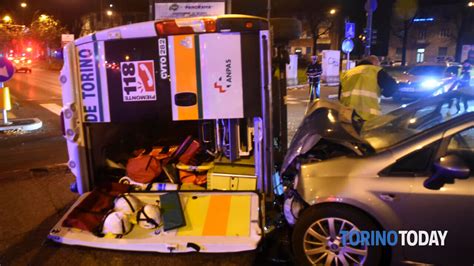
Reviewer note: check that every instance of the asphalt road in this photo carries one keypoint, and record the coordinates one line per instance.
(35, 95)
(34, 185)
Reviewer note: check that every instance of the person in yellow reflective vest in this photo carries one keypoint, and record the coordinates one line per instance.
(362, 86)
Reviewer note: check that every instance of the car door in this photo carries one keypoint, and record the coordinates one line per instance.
(450, 208)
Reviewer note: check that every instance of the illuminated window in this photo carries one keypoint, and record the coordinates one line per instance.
(420, 55)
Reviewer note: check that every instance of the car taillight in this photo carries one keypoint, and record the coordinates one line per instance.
(185, 26)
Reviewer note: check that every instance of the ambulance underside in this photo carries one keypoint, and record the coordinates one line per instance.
(139, 86)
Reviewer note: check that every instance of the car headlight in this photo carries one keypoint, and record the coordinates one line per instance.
(430, 84)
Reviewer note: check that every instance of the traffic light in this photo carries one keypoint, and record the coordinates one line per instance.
(363, 36)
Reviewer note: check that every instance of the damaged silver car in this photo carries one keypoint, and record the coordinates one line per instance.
(410, 169)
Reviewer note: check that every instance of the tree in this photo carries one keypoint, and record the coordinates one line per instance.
(464, 22)
(318, 16)
(10, 33)
(406, 11)
(47, 30)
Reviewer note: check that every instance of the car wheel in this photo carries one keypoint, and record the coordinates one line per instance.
(316, 238)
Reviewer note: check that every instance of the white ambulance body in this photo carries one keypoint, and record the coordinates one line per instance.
(155, 83)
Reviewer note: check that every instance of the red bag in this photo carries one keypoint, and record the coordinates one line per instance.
(143, 169)
(186, 151)
(190, 152)
(88, 215)
(163, 153)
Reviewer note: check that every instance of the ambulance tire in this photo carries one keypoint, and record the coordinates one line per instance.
(376, 255)
(286, 29)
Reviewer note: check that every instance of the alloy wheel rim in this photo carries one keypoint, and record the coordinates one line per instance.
(323, 243)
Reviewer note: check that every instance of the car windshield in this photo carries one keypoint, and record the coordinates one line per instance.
(427, 70)
(401, 124)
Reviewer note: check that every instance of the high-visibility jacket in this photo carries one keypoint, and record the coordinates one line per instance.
(360, 90)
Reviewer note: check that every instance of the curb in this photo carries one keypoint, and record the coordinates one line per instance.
(27, 124)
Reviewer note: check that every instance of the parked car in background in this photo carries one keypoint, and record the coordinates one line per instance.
(22, 64)
(411, 169)
(391, 63)
(424, 80)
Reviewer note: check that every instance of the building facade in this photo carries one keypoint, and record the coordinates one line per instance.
(432, 35)
(329, 39)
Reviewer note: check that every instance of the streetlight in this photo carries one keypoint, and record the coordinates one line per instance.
(23, 5)
(470, 4)
(111, 5)
(332, 11)
(7, 19)
(109, 13)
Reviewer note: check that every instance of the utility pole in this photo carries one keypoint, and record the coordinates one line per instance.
(269, 10)
(370, 7)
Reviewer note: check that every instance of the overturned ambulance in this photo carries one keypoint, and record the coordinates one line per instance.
(168, 134)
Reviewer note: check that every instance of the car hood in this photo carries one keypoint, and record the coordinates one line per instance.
(324, 120)
(407, 78)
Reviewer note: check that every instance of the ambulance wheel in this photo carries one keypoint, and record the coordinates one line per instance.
(316, 237)
(286, 29)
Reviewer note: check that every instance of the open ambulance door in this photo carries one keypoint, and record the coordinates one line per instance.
(156, 83)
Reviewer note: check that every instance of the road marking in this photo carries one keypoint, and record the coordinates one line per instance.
(52, 107)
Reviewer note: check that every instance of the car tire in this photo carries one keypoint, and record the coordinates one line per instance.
(340, 215)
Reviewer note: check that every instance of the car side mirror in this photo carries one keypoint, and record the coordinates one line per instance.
(446, 170)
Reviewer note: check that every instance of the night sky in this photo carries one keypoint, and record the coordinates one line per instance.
(69, 11)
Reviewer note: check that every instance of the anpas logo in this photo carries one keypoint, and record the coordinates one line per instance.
(218, 86)
(227, 80)
(138, 81)
(392, 238)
